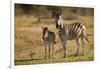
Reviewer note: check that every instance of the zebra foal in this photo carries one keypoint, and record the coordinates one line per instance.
(72, 31)
(49, 41)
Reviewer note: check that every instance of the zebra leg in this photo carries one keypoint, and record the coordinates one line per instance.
(78, 44)
(83, 42)
(49, 50)
(52, 50)
(45, 51)
(64, 48)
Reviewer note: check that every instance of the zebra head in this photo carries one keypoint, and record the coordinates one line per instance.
(58, 20)
(44, 32)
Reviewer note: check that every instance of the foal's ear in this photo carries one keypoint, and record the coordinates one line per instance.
(46, 28)
(42, 28)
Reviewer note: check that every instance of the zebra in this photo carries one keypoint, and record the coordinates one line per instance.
(49, 41)
(72, 31)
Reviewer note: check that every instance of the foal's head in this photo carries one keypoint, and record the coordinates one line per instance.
(44, 32)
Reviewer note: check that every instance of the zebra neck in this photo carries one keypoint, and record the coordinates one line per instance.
(62, 28)
(62, 31)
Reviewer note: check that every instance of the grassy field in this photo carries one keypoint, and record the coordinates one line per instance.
(29, 47)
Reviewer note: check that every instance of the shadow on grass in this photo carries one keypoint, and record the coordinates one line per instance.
(21, 60)
(27, 60)
(74, 55)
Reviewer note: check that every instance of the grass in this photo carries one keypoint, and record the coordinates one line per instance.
(29, 47)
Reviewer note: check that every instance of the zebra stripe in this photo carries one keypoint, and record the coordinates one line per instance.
(49, 40)
(72, 31)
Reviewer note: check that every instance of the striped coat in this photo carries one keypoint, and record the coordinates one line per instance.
(72, 31)
(49, 41)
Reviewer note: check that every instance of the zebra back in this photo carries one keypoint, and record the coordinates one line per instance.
(72, 31)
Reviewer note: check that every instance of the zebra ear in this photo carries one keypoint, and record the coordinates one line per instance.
(46, 28)
(56, 12)
(42, 27)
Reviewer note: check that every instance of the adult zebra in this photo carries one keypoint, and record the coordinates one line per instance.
(72, 31)
(49, 40)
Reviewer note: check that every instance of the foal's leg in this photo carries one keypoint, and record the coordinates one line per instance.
(45, 50)
(52, 49)
(49, 50)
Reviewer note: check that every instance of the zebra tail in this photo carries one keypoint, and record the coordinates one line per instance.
(86, 39)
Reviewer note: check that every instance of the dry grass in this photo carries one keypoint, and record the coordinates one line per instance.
(29, 47)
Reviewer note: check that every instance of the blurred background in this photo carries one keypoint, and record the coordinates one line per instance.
(41, 11)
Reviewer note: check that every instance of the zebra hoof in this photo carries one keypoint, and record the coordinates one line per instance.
(49, 57)
(82, 54)
(45, 58)
(76, 55)
(64, 56)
